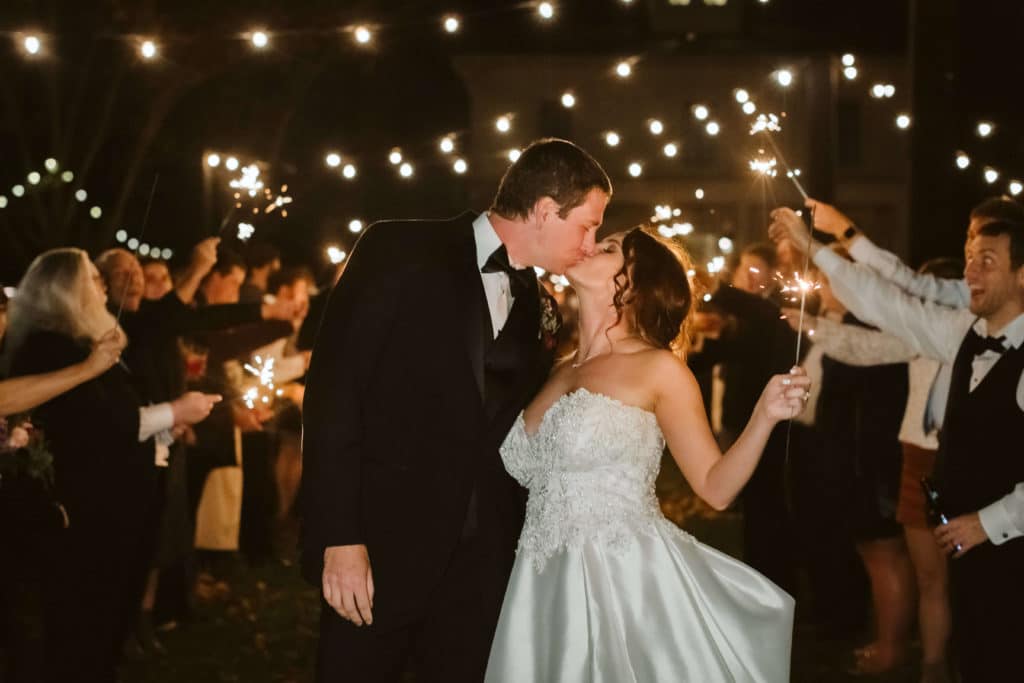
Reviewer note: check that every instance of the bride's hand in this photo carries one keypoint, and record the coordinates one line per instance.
(785, 397)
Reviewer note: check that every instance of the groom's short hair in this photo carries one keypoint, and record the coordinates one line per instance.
(549, 168)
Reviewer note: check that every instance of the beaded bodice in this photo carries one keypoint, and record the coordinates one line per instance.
(590, 469)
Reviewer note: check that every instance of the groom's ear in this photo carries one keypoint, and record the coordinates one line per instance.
(544, 209)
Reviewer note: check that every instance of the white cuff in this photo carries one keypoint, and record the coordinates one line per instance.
(827, 260)
(153, 419)
(996, 521)
(861, 248)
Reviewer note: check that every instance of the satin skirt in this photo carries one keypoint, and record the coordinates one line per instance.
(665, 608)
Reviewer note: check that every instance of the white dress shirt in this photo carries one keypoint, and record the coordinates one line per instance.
(934, 331)
(953, 293)
(156, 421)
(496, 285)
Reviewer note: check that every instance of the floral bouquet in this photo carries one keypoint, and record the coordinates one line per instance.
(27, 500)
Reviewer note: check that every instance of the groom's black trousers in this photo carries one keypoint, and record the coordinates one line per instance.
(448, 643)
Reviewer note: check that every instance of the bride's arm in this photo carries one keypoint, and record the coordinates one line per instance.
(716, 477)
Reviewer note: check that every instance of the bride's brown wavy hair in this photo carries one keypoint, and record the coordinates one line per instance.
(653, 289)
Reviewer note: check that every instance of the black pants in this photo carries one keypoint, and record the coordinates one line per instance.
(449, 643)
(988, 600)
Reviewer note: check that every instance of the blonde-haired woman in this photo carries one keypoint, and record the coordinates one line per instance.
(100, 434)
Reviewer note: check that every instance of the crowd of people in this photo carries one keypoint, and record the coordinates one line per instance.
(159, 393)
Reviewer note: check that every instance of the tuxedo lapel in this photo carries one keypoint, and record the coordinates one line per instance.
(472, 302)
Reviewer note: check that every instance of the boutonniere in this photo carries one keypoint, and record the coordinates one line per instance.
(550, 320)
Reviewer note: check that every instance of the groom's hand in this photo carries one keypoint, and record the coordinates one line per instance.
(348, 582)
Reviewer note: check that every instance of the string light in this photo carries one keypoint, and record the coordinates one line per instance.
(698, 193)
(133, 244)
(513, 155)
(3, 201)
(636, 169)
(32, 44)
(363, 35)
(447, 145)
(335, 255)
(395, 157)
(962, 160)
(166, 254)
(624, 69)
(546, 10)
(81, 195)
(451, 23)
(349, 171)
(903, 121)
(144, 249)
(231, 164)
(51, 165)
(849, 59)
(670, 150)
(96, 212)
(991, 175)
(120, 235)
(1015, 187)
(460, 166)
(213, 160)
(725, 244)
(611, 138)
(784, 77)
(147, 49)
(333, 160)
(405, 170)
(850, 73)
(985, 129)
(355, 225)
(655, 126)
(741, 95)
(712, 128)
(503, 124)
(259, 39)
(749, 108)
(67, 176)
(700, 112)
(890, 90)
(34, 178)
(568, 100)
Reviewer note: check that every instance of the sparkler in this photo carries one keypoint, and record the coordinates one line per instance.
(265, 392)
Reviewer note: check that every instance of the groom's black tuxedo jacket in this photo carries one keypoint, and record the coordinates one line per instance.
(407, 400)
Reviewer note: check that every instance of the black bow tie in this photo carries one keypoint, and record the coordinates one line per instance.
(520, 279)
(980, 345)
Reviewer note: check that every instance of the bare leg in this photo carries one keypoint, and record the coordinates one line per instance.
(892, 592)
(934, 617)
(288, 473)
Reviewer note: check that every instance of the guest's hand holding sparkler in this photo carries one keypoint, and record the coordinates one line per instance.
(105, 352)
(786, 226)
(828, 218)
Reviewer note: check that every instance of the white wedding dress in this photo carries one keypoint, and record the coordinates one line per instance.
(604, 588)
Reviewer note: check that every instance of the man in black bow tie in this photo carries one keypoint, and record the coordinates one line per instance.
(431, 344)
(981, 468)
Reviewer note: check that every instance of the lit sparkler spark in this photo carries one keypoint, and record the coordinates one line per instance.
(249, 181)
(263, 370)
(279, 201)
(764, 166)
(245, 231)
(765, 122)
(797, 287)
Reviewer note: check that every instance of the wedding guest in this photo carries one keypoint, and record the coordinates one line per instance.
(978, 477)
(100, 435)
(157, 278)
(262, 260)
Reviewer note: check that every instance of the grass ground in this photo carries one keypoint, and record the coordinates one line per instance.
(258, 624)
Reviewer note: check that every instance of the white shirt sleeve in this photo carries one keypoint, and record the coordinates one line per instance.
(855, 345)
(929, 329)
(153, 419)
(1003, 520)
(954, 293)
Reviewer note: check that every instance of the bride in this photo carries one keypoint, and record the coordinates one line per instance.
(604, 588)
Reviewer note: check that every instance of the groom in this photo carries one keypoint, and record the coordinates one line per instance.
(433, 340)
